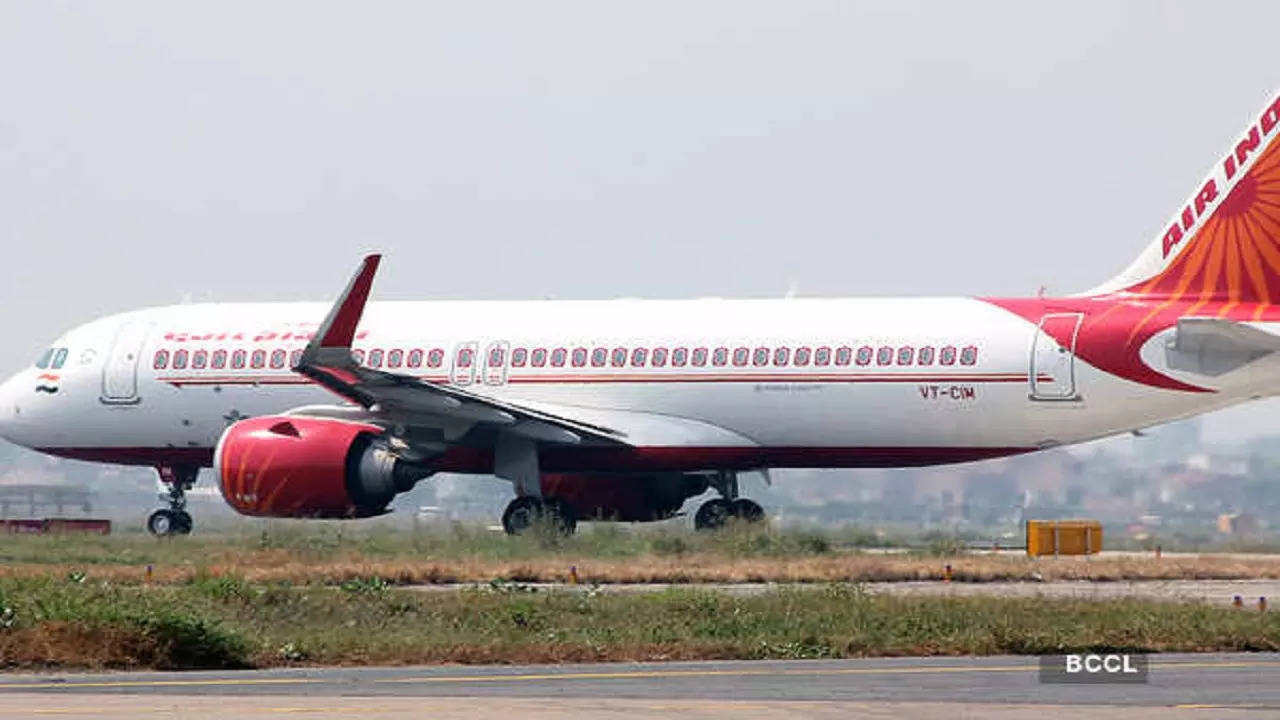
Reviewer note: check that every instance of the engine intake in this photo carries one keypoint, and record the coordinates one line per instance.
(281, 466)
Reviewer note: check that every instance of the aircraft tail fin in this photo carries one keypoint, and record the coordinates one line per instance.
(1223, 244)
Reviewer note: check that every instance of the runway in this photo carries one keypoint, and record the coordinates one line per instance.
(1216, 685)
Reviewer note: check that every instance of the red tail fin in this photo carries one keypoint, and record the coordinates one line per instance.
(1223, 245)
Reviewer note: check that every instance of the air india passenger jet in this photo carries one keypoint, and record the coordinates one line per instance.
(623, 409)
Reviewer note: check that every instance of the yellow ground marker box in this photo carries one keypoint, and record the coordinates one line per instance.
(1063, 537)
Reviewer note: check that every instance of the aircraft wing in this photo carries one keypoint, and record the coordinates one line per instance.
(1215, 346)
(404, 399)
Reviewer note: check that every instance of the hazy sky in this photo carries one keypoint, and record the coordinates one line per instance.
(235, 150)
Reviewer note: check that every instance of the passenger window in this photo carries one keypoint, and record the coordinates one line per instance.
(969, 355)
(375, 358)
(395, 358)
(844, 355)
(720, 357)
(466, 356)
(180, 360)
(659, 357)
(619, 357)
(219, 359)
(160, 362)
(538, 357)
(822, 356)
(925, 356)
(258, 359)
(741, 356)
(638, 357)
(277, 358)
(519, 357)
(59, 358)
(802, 356)
(237, 359)
(47, 355)
(947, 356)
(679, 357)
(559, 355)
(864, 355)
(598, 356)
(884, 356)
(579, 357)
(761, 357)
(199, 359)
(497, 356)
(415, 358)
(435, 358)
(295, 358)
(357, 356)
(700, 356)
(781, 356)
(906, 354)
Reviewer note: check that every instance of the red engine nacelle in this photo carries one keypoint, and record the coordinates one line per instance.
(279, 466)
(624, 497)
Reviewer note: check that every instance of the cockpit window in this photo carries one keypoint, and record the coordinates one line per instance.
(59, 358)
(45, 357)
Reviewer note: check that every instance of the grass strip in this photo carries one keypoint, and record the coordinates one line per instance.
(221, 622)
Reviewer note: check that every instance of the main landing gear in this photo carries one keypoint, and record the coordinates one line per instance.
(524, 512)
(173, 520)
(716, 512)
(515, 458)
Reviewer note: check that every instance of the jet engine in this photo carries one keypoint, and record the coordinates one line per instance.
(284, 466)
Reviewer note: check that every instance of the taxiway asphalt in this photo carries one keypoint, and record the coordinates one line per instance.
(1211, 685)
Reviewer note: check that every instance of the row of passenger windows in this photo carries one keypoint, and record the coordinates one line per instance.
(739, 357)
(279, 358)
(802, 356)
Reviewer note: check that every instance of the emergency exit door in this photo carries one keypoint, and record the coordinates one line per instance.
(1053, 357)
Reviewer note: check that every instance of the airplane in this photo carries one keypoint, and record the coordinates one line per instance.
(624, 409)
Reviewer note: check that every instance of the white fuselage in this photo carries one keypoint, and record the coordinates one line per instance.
(823, 382)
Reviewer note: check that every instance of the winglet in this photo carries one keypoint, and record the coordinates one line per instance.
(339, 328)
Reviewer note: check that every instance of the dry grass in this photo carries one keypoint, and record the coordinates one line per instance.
(303, 554)
(268, 567)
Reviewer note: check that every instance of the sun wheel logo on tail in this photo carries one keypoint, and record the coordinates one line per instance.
(309, 467)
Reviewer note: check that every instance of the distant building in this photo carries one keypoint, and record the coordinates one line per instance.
(1238, 524)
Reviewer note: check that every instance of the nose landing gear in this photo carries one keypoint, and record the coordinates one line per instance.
(716, 512)
(173, 520)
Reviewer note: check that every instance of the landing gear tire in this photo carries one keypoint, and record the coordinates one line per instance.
(560, 515)
(162, 523)
(523, 513)
(747, 510)
(173, 520)
(713, 514)
(716, 513)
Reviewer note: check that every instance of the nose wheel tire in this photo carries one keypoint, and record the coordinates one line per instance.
(716, 513)
(165, 522)
(524, 513)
